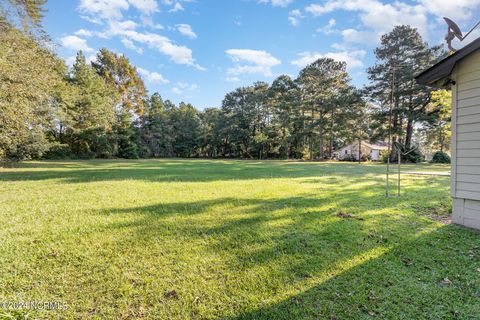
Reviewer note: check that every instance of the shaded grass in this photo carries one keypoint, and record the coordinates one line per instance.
(194, 239)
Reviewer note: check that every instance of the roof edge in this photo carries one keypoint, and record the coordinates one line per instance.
(444, 68)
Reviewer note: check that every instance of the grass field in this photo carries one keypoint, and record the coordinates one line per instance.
(193, 239)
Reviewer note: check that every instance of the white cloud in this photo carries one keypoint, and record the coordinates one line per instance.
(277, 3)
(75, 43)
(254, 56)
(84, 33)
(112, 9)
(460, 10)
(378, 17)
(148, 21)
(375, 14)
(177, 7)
(181, 87)
(328, 29)
(153, 77)
(145, 6)
(232, 79)
(71, 60)
(362, 37)
(178, 54)
(117, 28)
(177, 91)
(104, 9)
(354, 59)
(294, 17)
(110, 12)
(130, 45)
(186, 30)
(124, 25)
(260, 62)
(187, 86)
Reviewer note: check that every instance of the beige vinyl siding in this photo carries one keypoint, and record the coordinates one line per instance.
(468, 85)
(473, 118)
(466, 144)
(469, 178)
(472, 144)
(467, 186)
(467, 111)
(467, 127)
(461, 162)
(466, 212)
(471, 170)
(468, 136)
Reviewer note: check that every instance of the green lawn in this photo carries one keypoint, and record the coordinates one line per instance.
(193, 239)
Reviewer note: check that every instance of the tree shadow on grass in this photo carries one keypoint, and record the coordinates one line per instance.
(407, 282)
(298, 242)
(181, 170)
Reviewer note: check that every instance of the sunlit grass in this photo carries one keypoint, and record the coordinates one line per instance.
(194, 239)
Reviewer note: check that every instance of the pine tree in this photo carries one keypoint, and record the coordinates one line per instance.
(92, 113)
(120, 74)
(284, 94)
(319, 82)
(401, 54)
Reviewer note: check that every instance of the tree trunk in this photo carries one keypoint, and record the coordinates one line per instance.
(311, 148)
(60, 131)
(359, 151)
(408, 137)
(330, 147)
(441, 140)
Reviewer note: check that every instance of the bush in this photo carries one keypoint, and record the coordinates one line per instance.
(384, 156)
(348, 157)
(413, 156)
(58, 152)
(129, 152)
(441, 157)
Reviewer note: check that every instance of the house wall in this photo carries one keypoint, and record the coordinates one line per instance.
(353, 151)
(465, 181)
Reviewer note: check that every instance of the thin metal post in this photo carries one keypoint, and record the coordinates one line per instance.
(399, 167)
(388, 169)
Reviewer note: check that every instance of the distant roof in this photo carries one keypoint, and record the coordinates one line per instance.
(380, 145)
(445, 67)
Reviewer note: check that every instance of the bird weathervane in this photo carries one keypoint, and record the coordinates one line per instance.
(455, 32)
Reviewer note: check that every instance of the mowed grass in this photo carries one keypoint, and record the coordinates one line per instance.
(194, 239)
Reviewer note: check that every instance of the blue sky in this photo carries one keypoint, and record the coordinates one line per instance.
(198, 50)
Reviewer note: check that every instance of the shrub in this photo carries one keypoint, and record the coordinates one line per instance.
(58, 151)
(412, 157)
(384, 155)
(129, 152)
(441, 157)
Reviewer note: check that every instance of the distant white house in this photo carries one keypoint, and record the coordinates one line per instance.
(368, 150)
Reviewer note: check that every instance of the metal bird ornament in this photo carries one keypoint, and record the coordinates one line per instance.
(455, 32)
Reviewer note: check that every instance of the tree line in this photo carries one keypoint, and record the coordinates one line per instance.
(102, 109)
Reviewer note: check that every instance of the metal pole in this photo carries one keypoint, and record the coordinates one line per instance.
(478, 23)
(399, 167)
